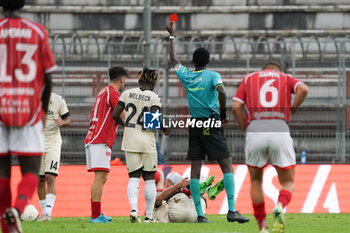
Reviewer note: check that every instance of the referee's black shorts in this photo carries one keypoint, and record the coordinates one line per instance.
(207, 141)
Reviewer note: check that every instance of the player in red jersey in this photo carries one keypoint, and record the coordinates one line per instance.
(266, 94)
(26, 62)
(100, 138)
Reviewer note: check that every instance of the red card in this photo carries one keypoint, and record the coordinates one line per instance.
(173, 18)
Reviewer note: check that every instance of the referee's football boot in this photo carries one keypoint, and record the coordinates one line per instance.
(204, 185)
(202, 219)
(236, 217)
(134, 217)
(216, 189)
(278, 226)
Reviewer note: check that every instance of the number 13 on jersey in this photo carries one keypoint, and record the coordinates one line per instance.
(29, 50)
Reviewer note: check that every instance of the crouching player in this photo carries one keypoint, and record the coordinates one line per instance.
(174, 203)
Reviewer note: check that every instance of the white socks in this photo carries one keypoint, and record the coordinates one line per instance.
(43, 205)
(150, 196)
(50, 202)
(133, 192)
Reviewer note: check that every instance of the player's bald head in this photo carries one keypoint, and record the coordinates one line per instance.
(12, 5)
(272, 65)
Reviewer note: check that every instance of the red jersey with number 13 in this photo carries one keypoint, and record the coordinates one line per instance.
(267, 95)
(102, 127)
(25, 56)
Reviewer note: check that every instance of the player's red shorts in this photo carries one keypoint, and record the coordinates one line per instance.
(22, 141)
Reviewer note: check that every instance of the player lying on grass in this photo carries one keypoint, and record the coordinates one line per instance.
(140, 144)
(175, 204)
(204, 91)
(266, 94)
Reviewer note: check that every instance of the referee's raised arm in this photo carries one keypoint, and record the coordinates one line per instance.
(174, 61)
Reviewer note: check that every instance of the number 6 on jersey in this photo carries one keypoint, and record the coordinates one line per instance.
(268, 88)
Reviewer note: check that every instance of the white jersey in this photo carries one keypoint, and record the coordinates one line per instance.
(179, 208)
(135, 138)
(57, 109)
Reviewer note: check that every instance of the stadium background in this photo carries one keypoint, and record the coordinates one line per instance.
(311, 41)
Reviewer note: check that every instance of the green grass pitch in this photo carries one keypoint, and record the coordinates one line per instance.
(295, 223)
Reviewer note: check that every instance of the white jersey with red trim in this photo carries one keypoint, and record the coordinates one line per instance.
(267, 95)
(102, 127)
(25, 56)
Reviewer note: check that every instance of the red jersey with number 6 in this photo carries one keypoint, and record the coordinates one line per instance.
(25, 56)
(267, 95)
(102, 127)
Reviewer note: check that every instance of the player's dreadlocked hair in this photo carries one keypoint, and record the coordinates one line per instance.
(148, 76)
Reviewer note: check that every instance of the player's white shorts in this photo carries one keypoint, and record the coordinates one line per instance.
(50, 162)
(161, 213)
(136, 160)
(22, 141)
(98, 157)
(269, 140)
(181, 208)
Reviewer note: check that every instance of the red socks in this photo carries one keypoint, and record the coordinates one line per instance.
(260, 214)
(95, 209)
(5, 200)
(284, 197)
(259, 211)
(25, 190)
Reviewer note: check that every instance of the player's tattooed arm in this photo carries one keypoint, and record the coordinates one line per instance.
(174, 61)
(222, 101)
(300, 95)
(45, 98)
(237, 110)
(117, 113)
